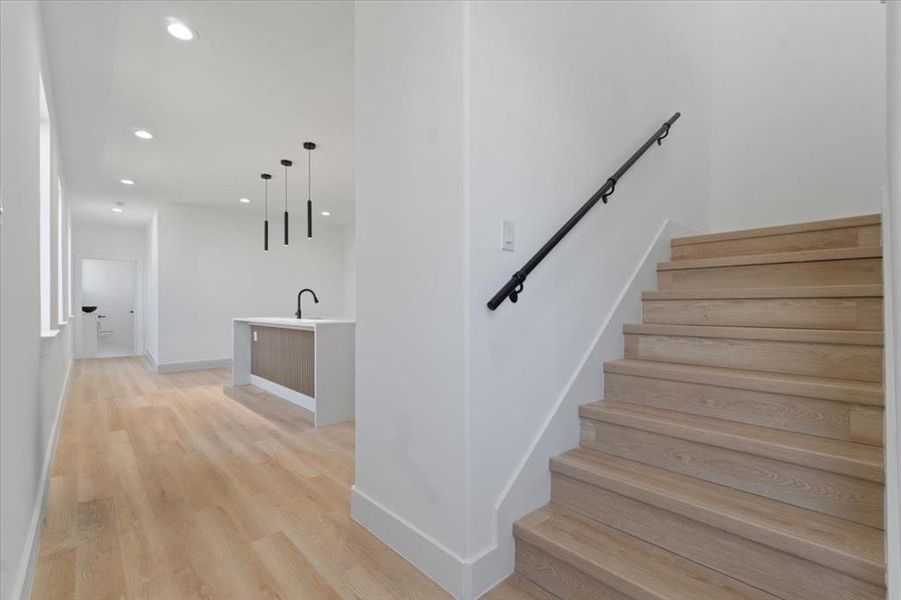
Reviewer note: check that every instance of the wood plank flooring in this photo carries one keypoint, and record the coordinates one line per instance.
(170, 486)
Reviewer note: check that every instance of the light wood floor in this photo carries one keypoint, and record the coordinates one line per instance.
(169, 486)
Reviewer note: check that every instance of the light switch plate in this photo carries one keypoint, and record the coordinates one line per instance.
(507, 236)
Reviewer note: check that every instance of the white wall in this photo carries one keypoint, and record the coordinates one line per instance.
(410, 235)
(212, 268)
(799, 111)
(109, 241)
(33, 371)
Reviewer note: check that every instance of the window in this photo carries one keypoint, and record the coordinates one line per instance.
(69, 263)
(55, 229)
(44, 173)
(60, 270)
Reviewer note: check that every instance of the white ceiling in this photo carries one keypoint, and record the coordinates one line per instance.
(259, 80)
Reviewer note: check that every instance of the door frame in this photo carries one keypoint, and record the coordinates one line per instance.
(139, 293)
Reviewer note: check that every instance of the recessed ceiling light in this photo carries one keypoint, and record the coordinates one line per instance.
(127, 181)
(244, 200)
(143, 134)
(180, 31)
(325, 213)
(117, 209)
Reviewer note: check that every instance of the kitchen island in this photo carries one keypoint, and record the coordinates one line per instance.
(309, 362)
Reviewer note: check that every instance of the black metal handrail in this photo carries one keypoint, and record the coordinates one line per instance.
(514, 287)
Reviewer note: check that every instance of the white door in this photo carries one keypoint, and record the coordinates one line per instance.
(110, 286)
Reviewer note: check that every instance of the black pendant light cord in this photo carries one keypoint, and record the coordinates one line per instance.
(286, 163)
(266, 177)
(310, 146)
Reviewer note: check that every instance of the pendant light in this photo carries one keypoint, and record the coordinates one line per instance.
(310, 146)
(286, 163)
(266, 177)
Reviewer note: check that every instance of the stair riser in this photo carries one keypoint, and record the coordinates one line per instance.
(865, 465)
(847, 237)
(779, 573)
(828, 272)
(837, 420)
(807, 313)
(558, 577)
(827, 389)
(838, 361)
(838, 495)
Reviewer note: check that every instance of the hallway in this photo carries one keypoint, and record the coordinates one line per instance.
(177, 486)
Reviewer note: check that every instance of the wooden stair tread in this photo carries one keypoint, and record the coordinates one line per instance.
(625, 563)
(840, 390)
(516, 587)
(860, 221)
(812, 336)
(846, 458)
(822, 291)
(854, 549)
(774, 258)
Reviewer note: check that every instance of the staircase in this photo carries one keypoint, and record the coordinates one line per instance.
(738, 450)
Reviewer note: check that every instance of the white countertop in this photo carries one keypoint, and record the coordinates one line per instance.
(291, 322)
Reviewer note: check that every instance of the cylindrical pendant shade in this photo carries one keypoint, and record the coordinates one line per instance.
(286, 163)
(265, 177)
(309, 147)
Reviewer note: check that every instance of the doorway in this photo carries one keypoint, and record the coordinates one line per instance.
(110, 286)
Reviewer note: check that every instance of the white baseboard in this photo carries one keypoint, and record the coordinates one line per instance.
(152, 360)
(529, 486)
(25, 574)
(192, 365)
(442, 565)
(285, 393)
